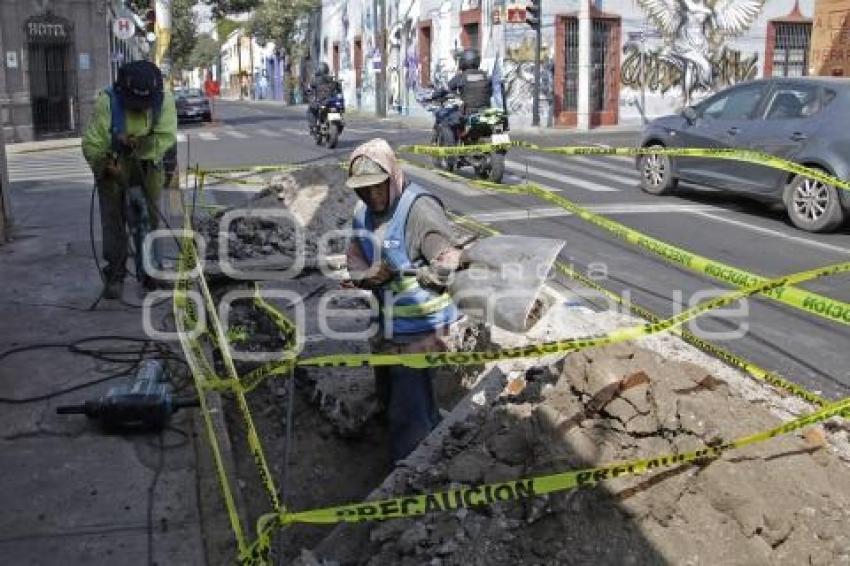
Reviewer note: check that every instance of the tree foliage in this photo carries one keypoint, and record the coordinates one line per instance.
(277, 20)
(222, 8)
(225, 27)
(206, 52)
(183, 34)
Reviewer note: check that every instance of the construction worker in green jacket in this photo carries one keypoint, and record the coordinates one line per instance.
(133, 126)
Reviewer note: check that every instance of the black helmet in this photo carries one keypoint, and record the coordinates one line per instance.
(469, 59)
(323, 70)
(139, 84)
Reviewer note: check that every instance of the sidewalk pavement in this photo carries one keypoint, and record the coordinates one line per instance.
(71, 494)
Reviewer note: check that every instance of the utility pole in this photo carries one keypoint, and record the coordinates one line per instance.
(5, 211)
(381, 80)
(534, 18)
(239, 64)
(162, 9)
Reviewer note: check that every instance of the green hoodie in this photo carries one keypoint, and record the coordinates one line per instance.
(97, 140)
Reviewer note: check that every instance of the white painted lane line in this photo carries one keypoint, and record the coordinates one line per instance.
(775, 233)
(250, 189)
(181, 137)
(519, 168)
(293, 131)
(602, 163)
(237, 134)
(607, 209)
(590, 169)
(208, 136)
(269, 133)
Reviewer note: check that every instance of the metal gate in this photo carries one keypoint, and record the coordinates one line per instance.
(51, 74)
(571, 64)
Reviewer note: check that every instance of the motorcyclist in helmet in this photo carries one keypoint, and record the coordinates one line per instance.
(471, 84)
(322, 87)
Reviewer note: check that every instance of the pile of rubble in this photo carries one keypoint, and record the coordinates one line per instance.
(315, 196)
(785, 501)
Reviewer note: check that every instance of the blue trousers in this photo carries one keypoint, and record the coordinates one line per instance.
(412, 410)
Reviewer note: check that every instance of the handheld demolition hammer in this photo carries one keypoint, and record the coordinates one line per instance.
(145, 404)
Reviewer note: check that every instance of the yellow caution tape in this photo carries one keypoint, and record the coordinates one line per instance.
(437, 359)
(730, 358)
(488, 494)
(205, 380)
(807, 301)
(196, 360)
(745, 155)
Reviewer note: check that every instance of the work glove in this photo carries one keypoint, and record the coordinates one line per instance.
(434, 277)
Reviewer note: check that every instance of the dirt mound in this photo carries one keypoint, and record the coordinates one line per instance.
(316, 196)
(786, 501)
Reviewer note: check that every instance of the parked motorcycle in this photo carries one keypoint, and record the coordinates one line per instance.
(330, 122)
(454, 127)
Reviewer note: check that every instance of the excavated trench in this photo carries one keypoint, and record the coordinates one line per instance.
(786, 501)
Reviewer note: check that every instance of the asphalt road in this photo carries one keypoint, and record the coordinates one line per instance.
(809, 350)
(718, 225)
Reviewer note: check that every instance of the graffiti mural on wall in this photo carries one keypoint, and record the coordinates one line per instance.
(518, 77)
(693, 55)
(655, 72)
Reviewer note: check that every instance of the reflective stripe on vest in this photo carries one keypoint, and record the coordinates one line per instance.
(414, 309)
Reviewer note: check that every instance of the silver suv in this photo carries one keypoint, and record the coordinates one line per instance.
(805, 119)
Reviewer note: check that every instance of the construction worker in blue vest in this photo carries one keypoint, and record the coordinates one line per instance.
(133, 126)
(397, 227)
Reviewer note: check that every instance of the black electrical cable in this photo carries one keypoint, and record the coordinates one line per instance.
(109, 356)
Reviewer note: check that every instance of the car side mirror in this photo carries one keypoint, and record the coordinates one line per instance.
(690, 114)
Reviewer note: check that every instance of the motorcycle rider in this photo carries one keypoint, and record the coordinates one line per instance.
(322, 87)
(472, 85)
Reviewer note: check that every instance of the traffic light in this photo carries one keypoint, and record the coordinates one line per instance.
(533, 13)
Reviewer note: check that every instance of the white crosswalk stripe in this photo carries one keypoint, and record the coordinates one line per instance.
(208, 136)
(582, 168)
(269, 133)
(181, 137)
(236, 134)
(572, 181)
(58, 165)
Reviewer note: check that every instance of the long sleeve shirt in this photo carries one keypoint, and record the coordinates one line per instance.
(153, 142)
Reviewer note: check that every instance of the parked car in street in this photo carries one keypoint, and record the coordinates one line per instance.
(804, 119)
(192, 104)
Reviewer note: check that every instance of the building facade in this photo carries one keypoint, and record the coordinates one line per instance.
(57, 55)
(605, 62)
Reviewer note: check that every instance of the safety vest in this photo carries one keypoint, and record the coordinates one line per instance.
(118, 120)
(414, 309)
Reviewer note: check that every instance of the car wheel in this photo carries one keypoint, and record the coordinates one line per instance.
(813, 205)
(207, 117)
(656, 173)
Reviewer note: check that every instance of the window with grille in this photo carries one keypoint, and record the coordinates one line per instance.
(791, 50)
(602, 30)
(571, 62)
